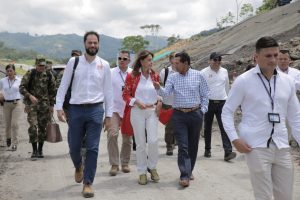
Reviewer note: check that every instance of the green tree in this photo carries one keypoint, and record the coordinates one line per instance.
(227, 20)
(173, 39)
(134, 43)
(246, 10)
(267, 5)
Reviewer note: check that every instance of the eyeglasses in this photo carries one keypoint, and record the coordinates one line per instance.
(120, 58)
(217, 59)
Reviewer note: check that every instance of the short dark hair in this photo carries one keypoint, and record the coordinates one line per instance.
(90, 33)
(285, 51)
(184, 57)
(10, 66)
(265, 42)
(125, 51)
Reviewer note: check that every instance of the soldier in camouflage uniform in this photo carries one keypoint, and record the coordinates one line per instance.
(39, 90)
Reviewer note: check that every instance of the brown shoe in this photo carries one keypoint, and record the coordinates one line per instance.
(79, 174)
(114, 170)
(125, 169)
(87, 191)
(184, 182)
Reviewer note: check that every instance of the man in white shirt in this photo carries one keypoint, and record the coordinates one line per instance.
(91, 87)
(118, 77)
(284, 61)
(267, 98)
(218, 83)
(167, 104)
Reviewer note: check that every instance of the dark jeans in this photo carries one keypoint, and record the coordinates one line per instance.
(187, 128)
(85, 122)
(215, 109)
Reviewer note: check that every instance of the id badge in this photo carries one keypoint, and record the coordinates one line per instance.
(274, 117)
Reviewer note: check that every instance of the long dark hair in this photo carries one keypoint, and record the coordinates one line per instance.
(137, 63)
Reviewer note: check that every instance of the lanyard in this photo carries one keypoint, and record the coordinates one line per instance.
(269, 91)
(10, 83)
(120, 72)
(272, 103)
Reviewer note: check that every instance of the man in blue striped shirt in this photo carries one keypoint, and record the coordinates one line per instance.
(191, 92)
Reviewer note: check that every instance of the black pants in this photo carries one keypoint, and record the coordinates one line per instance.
(215, 108)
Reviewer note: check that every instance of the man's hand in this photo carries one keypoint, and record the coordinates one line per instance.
(33, 100)
(61, 115)
(51, 109)
(241, 146)
(156, 85)
(107, 124)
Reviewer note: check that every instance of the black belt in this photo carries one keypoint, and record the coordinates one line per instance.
(11, 101)
(186, 110)
(217, 101)
(87, 105)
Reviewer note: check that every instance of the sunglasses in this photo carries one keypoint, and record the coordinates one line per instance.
(120, 58)
(217, 59)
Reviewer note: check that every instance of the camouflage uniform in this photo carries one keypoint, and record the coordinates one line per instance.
(43, 87)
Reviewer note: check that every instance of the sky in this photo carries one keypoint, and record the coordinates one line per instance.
(115, 18)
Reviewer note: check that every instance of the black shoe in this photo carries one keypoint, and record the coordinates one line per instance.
(40, 154)
(207, 153)
(8, 142)
(169, 151)
(229, 156)
(34, 154)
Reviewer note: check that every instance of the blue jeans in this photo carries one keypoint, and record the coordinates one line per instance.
(187, 128)
(85, 121)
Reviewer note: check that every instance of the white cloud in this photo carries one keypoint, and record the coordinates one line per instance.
(118, 18)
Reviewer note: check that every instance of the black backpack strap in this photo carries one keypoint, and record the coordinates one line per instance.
(74, 68)
(166, 75)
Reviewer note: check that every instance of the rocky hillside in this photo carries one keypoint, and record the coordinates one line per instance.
(283, 23)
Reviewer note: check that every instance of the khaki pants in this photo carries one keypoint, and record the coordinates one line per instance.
(12, 112)
(112, 143)
(271, 172)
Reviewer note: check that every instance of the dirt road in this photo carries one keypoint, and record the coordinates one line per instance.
(52, 177)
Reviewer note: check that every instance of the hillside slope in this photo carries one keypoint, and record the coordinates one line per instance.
(283, 23)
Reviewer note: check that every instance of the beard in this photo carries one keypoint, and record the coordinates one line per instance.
(91, 52)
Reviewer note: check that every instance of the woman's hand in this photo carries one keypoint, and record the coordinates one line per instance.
(140, 105)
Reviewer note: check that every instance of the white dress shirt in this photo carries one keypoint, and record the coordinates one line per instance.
(118, 78)
(168, 100)
(145, 92)
(10, 88)
(295, 74)
(91, 84)
(218, 82)
(255, 129)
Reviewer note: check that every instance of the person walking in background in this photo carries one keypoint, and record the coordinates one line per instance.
(118, 77)
(266, 103)
(167, 103)
(140, 94)
(218, 83)
(9, 90)
(191, 92)
(38, 88)
(91, 88)
(284, 61)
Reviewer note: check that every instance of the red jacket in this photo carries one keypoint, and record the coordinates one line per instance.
(131, 84)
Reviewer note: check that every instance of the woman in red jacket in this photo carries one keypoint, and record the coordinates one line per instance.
(142, 109)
